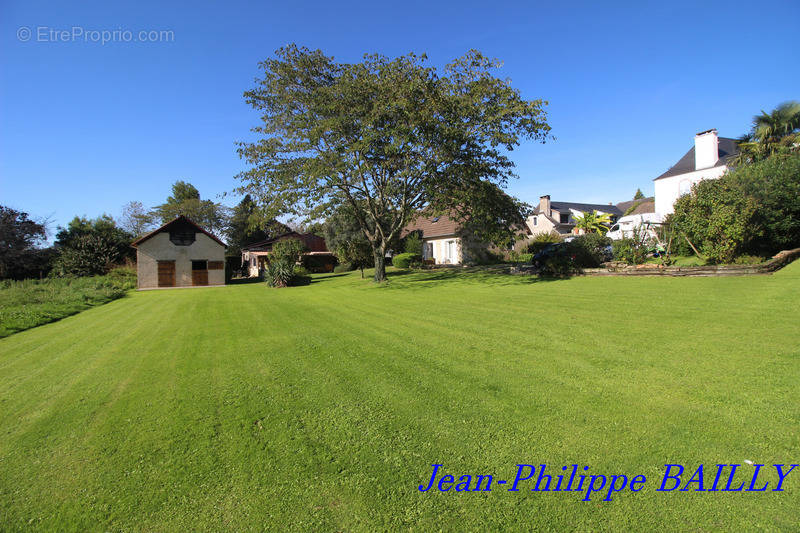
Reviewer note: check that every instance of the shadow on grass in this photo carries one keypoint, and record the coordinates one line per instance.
(326, 277)
(244, 281)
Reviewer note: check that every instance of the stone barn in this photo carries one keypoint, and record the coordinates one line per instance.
(179, 254)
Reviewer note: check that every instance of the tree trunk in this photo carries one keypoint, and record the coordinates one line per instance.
(380, 263)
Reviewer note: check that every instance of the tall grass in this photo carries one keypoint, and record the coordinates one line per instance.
(30, 303)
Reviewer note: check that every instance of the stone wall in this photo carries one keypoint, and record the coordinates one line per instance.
(778, 261)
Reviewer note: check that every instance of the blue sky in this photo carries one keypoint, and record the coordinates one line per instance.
(86, 127)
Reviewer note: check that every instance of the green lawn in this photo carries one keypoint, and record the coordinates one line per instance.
(322, 407)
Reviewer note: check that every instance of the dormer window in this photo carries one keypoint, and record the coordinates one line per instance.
(563, 218)
(182, 238)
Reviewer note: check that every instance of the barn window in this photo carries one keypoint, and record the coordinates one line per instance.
(181, 238)
(200, 265)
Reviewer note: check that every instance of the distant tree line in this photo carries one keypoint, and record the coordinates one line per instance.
(88, 247)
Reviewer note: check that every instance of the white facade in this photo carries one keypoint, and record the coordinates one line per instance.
(443, 250)
(706, 167)
(184, 260)
(670, 189)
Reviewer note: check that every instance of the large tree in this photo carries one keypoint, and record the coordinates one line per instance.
(88, 247)
(388, 137)
(343, 236)
(244, 228)
(20, 238)
(185, 200)
(135, 219)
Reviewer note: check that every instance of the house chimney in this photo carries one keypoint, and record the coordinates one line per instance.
(706, 149)
(544, 205)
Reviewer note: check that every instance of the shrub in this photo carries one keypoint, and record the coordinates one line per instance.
(558, 264)
(541, 240)
(279, 273)
(629, 251)
(589, 250)
(755, 209)
(90, 247)
(517, 257)
(288, 250)
(319, 263)
(404, 260)
(301, 276)
(775, 185)
(718, 218)
(748, 260)
(487, 257)
(414, 244)
(343, 267)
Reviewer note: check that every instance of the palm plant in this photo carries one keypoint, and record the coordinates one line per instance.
(593, 222)
(782, 121)
(771, 132)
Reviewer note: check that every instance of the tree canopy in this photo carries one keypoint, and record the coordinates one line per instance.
(185, 200)
(771, 133)
(244, 228)
(755, 209)
(20, 238)
(389, 138)
(90, 247)
(343, 236)
(135, 219)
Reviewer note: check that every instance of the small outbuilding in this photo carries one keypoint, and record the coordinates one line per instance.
(179, 254)
(317, 257)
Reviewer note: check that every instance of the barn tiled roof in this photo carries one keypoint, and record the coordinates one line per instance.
(433, 226)
(175, 223)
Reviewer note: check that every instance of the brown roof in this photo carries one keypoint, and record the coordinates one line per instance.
(177, 222)
(627, 204)
(433, 226)
(644, 207)
(314, 243)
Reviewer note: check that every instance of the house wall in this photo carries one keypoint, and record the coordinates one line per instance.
(159, 248)
(670, 189)
(252, 262)
(440, 252)
(543, 224)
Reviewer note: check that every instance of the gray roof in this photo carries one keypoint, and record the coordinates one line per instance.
(728, 148)
(564, 207)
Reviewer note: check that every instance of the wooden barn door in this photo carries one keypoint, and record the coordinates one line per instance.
(200, 272)
(166, 273)
(199, 277)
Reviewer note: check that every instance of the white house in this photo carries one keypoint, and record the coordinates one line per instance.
(707, 160)
(441, 239)
(554, 216)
